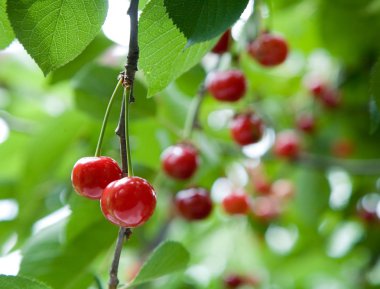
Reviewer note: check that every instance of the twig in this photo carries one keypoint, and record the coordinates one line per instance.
(356, 167)
(127, 77)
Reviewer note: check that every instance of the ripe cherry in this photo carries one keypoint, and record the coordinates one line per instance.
(233, 281)
(316, 87)
(266, 208)
(247, 128)
(306, 123)
(223, 44)
(330, 98)
(128, 202)
(367, 207)
(287, 144)
(229, 86)
(268, 49)
(180, 161)
(236, 203)
(193, 204)
(91, 175)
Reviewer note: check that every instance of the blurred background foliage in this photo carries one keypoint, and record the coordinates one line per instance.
(327, 235)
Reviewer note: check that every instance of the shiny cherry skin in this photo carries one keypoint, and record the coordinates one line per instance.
(223, 44)
(91, 175)
(180, 161)
(236, 204)
(247, 129)
(306, 123)
(268, 49)
(287, 144)
(193, 204)
(228, 86)
(233, 281)
(128, 202)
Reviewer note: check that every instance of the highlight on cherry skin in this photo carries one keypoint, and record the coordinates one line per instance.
(90, 175)
(128, 202)
(193, 204)
(228, 86)
(180, 161)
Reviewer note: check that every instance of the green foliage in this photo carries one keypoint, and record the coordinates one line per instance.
(6, 32)
(18, 282)
(374, 109)
(163, 56)
(55, 34)
(167, 258)
(193, 17)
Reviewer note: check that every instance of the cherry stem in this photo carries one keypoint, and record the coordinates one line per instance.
(192, 119)
(105, 120)
(127, 102)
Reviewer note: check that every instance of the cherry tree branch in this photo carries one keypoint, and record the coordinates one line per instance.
(127, 77)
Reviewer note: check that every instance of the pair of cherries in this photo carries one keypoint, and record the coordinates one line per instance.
(125, 201)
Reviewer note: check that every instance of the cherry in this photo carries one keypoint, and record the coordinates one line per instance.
(287, 144)
(330, 98)
(261, 185)
(233, 281)
(180, 161)
(306, 123)
(268, 49)
(91, 175)
(266, 208)
(223, 44)
(236, 203)
(128, 202)
(246, 128)
(193, 204)
(316, 87)
(367, 207)
(229, 86)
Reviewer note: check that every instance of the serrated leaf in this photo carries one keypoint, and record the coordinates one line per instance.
(163, 56)
(54, 32)
(167, 258)
(17, 282)
(93, 50)
(202, 20)
(374, 110)
(6, 32)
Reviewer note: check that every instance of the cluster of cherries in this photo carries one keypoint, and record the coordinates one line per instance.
(125, 201)
(180, 161)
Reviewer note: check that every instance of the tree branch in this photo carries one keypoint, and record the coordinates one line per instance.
(128, 77)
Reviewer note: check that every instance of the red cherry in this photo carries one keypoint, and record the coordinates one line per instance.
(128, 202)
(287, 144)
(261, 185)
(316, 87)
(266, 208)
(330, 98)
(233, 281)
(223, 44)
(269, 49)
(193, 204)
(180, 161)
(367, 207)
(236, 203)
(91, 175)
(227, 86)
(247, 129)
(306, 123)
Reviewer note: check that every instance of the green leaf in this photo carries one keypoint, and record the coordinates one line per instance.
(93, 50)
(162, 54)
(54, 32)
(374, 110)
(202, 20)
(6, 32)
(17, 282)
(167, 258)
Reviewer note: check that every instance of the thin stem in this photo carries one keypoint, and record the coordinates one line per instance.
(128, 96)
(120, 131)
(192, 119)
(105, 120)
(123, 233)
(356, 167)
